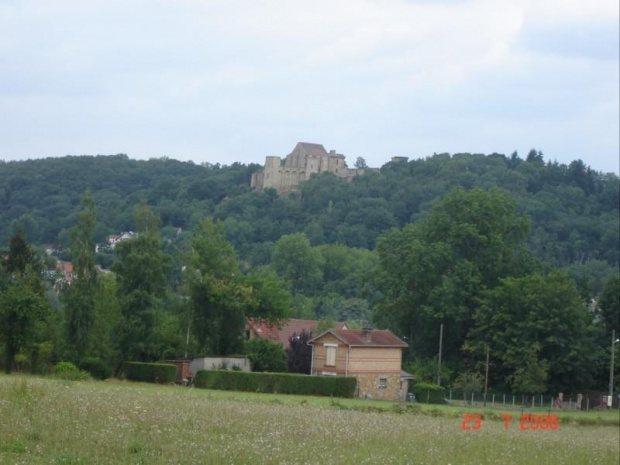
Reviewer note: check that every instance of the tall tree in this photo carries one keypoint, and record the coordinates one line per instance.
(215, 290)
(23, 308)
(534, 325)
(20, 254)
(79, 295)
(141, 283)
(22, 316)
(435, 271)
(298, 263)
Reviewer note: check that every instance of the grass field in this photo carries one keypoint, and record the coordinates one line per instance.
(43, 421)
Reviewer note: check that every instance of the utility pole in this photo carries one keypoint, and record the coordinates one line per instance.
(486, 378)
(439, 361)
(610, 399)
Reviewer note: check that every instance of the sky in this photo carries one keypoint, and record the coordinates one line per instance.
(223, 81)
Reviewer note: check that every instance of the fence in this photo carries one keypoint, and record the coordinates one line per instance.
(585, 402)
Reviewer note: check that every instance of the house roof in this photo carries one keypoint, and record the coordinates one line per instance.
(282, 333)
(357, 338)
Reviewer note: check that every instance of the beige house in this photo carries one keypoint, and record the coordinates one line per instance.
(373, 357)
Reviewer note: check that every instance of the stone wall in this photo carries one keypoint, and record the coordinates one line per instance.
(370, 385)
(297, 167)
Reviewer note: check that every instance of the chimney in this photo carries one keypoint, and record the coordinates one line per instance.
(367, 332)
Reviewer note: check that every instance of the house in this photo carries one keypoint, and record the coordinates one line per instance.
(112, 240)
(65, 270)
(281, 333)
(373, 357)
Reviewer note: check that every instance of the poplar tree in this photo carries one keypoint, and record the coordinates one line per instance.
(141, 283)
(79, 294)
(23, 307)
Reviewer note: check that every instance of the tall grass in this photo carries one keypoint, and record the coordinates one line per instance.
(44, 421)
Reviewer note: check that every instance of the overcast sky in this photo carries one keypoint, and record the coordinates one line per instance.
(236, 80)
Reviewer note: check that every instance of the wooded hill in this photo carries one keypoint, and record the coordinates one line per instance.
(573, 209)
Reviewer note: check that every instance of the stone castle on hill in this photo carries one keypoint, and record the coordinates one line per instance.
(305, 160)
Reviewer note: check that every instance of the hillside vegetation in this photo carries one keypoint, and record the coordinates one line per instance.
(506, 253)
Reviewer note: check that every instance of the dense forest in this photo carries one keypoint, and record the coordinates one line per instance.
(505, 252)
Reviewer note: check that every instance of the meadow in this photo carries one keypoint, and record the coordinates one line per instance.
(47, 421)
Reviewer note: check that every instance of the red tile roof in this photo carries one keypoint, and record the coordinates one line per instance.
(378, 338)
(282, 334)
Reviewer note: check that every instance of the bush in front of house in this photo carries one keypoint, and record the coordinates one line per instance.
(68, 371)
(282, 383)
(150, 372)
(96, 367)
(429, 393)
(266, 355)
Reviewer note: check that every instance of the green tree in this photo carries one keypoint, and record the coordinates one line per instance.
(298, 263)
(266, 355)
(216, 292)
(22, 315)
(107, 317)
(269, 298)
(20, 254)
(79, 295)
(534, 325)
(141, 283)
(531, 375)
(23, 308)
(360, 163)
(468, 382)
(435, 271)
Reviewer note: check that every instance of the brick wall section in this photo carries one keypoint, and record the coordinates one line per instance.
(375, 360)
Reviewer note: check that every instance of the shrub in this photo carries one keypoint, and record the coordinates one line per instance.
(150, 372)
(68, 371)
(284, 383)
(429, 393)
(266, 355)
(96, 368)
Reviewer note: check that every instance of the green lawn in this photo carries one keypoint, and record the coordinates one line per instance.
(43, 421)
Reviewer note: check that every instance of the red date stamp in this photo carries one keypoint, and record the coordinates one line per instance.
(529, 421)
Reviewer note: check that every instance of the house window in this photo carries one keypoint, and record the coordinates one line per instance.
(330, 355)
(382, 383)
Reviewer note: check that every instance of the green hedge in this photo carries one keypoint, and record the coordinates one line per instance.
(429, 393)
(96, 367)
(150, 372)
(283, 383)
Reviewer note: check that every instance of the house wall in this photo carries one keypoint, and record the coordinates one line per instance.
(370, 364)
(375, 360)
(214, 363)
(320, 354)
(369, 385)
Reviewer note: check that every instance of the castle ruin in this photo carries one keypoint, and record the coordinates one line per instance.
(305, 160)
